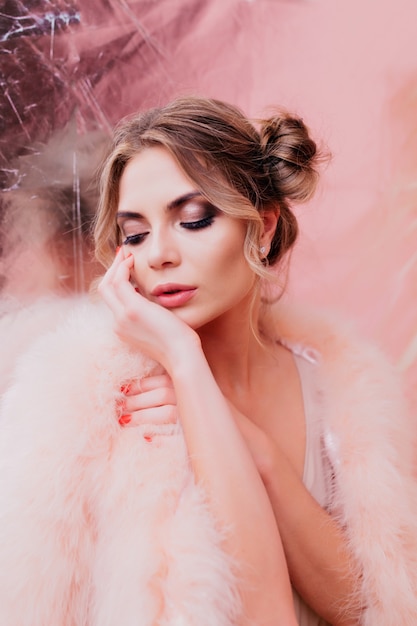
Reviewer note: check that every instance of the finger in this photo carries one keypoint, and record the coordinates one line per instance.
(106, 285)
(146, 384)
(125, 291)
(123, 269)
(153, 382)
(118, 273)
(110, 287)
(109, 275)
(149, 399)
(156, 416)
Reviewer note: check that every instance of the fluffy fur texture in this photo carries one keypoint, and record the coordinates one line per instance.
(370, 439)
(98, 527)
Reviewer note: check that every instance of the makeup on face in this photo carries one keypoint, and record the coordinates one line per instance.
(188, 254)
(190, 211)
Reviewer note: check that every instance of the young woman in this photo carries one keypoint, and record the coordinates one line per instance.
(297, 450)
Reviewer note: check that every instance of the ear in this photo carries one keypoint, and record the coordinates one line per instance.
(270, 218)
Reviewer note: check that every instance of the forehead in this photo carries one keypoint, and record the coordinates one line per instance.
(152, 179)
(151, 170)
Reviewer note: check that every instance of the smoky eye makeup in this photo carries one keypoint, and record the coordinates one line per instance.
(133, 239)
(131, 231)
(190, 213)
(197, 214)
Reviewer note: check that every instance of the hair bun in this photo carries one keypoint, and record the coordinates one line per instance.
(290, 156)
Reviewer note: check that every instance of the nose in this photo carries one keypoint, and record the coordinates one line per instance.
(163, 249)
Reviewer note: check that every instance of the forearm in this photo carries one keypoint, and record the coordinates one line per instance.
(320, 564)
(222, 463)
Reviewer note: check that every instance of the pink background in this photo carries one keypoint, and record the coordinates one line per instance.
(348, 68)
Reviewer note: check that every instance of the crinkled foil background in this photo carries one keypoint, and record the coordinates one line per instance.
(69, 69)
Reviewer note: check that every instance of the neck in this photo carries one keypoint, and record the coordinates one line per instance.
(231, 348)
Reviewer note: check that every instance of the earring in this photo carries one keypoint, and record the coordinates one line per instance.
(262, 249)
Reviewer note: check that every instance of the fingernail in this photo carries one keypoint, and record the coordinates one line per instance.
(125, 419)
(117, 249)
(125, 388)
(147, 438)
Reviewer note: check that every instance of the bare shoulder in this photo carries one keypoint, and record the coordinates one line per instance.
(349, 366)
(334, 338)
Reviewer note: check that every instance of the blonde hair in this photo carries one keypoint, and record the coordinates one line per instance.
(241, 170)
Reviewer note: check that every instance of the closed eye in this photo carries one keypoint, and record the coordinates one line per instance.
(197, 224)
(133, 240)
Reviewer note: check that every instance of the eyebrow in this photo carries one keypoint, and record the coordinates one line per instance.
(174, 204)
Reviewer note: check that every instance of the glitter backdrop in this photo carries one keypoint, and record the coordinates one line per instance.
(70, 69)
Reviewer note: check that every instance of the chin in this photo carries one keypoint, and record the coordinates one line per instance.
(192, 320)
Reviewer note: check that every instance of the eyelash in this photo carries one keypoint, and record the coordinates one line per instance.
(203, 223)
(133, 240)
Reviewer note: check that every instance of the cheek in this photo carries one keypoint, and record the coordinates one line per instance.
(227, 248)
(232, 260)
(232, 271)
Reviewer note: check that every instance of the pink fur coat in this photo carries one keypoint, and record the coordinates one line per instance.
(100, 527)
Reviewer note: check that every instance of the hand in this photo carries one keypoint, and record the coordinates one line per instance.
(150, 400)
(159, 333)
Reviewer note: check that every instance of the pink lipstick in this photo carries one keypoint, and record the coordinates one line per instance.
(172, 295)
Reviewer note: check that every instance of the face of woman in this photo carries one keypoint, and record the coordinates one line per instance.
(188, 255)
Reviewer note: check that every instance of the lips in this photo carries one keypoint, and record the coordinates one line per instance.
(172, 295)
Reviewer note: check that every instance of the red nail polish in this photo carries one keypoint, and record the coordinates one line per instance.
(147, 438)
(125, 388)
(125, 419)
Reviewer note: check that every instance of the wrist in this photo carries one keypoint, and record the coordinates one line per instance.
(182, 354)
